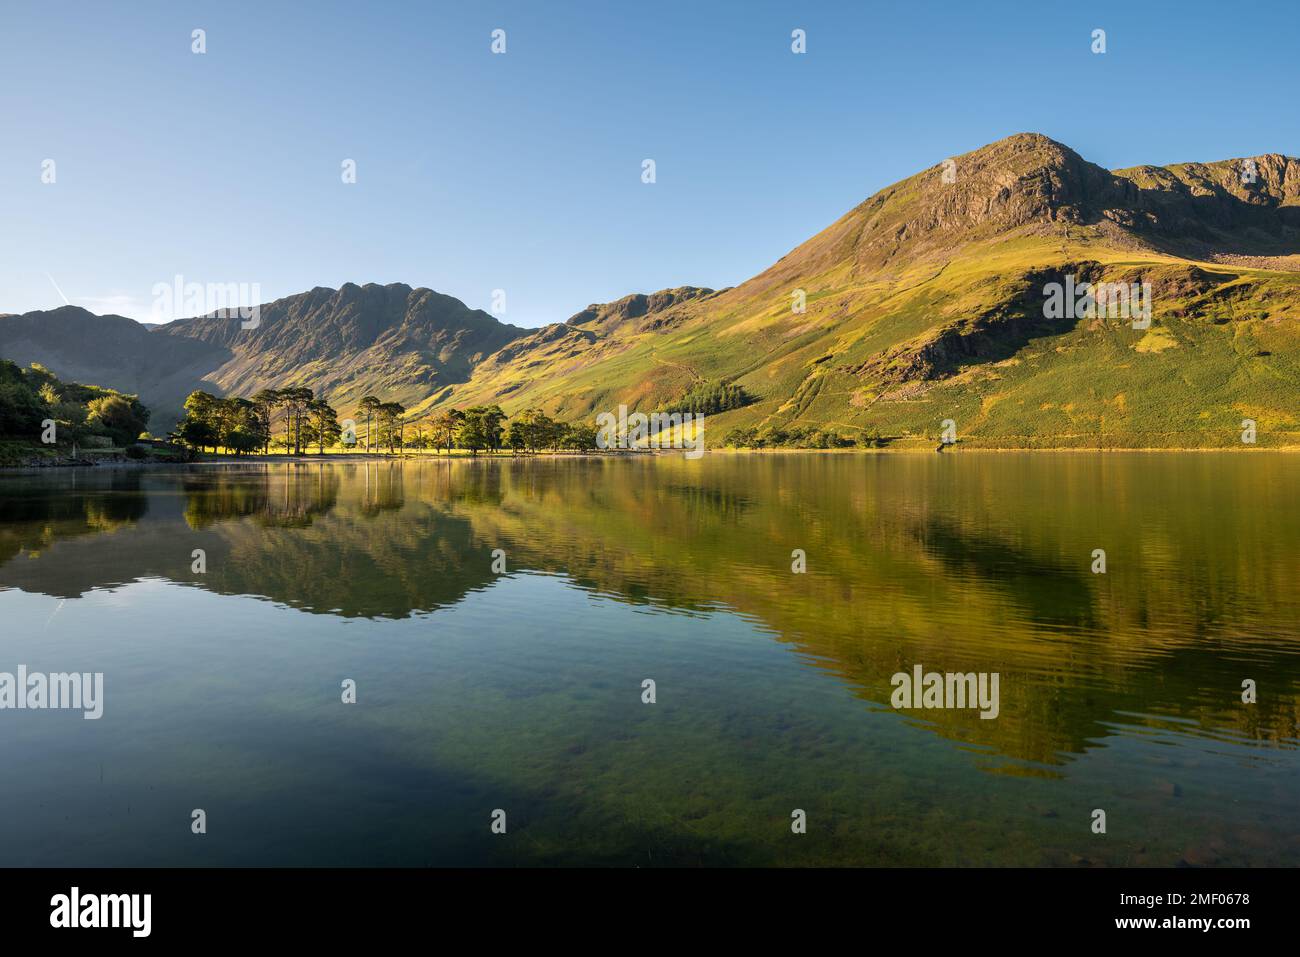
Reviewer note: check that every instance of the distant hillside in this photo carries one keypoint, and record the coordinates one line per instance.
(923, 303)
(395, 341)
(111, 351)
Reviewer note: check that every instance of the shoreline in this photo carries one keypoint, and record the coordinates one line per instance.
(350, 457)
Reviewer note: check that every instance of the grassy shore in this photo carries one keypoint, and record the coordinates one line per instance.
(22, 456)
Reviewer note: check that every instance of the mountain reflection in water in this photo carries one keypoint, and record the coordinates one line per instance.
(1119, 690)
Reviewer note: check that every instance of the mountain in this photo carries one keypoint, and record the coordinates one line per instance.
(925, 302)
(395, 341)
(79, 346)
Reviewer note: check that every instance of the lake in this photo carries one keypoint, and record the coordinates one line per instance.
(514, 680)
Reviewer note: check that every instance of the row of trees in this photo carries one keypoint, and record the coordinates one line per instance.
(534, 430)
(477, 429)
(776, 437)
(242, 425)
(33, 396)
(711, 398)
(388, 417)
(295, 421)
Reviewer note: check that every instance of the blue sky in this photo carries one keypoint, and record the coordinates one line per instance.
(522, 171)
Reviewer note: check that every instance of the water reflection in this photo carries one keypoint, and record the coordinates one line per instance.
(961, 563)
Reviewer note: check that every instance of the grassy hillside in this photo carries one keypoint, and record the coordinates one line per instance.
(925, 303)
(43, 419)
(393, 341)
(922, 304)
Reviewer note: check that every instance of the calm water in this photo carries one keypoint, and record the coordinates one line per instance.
(522, 691)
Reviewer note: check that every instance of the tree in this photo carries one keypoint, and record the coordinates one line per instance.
(236, 415)
(196, 433)
(266, 401)
(325, 423)
(712, 397)
(560, 432)
(492, 429)
(369, 407)
(30, 396)
(242, 425)
(21, 407)
(537, 429)
(470, 434)
(390, 425)
(202, 421)
(445, 425)
(296, 401)
(740, 438)
(580, 438)
(522, 434)
(242, 440)
(286, 400)
(481, 428)
(492, 421)
(517, 436)
(71, 416)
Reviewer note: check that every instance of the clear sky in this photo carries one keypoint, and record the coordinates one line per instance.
(522, 171)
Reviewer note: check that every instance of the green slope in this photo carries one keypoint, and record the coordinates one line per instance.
(925, 303)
